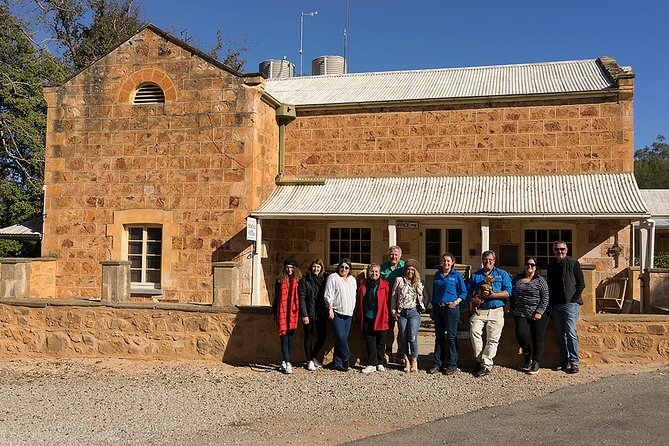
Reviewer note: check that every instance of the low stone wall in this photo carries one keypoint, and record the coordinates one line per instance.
(247, 335)
(43, 277)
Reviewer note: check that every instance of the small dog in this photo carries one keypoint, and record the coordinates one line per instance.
(481, 292)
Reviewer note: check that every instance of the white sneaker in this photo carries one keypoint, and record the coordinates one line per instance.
(369, 369)
(311, 366)
(289, 368)
(317, 363)
(282, 368)
(380, 368)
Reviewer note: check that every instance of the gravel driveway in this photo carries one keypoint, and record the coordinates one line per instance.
(121, 402)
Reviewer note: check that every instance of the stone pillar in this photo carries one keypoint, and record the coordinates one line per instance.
(115, 281)
(589, 299)
(226, 284)
(15, 278)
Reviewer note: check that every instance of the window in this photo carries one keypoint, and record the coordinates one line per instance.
(148, 94)
(438, 241)
(539, 243)
(145, 256)
(353, 243)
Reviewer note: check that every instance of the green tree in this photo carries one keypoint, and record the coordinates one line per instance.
(651, 165)
(24, 69)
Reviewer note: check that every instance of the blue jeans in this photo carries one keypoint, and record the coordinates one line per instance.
(565, 317)
(446, 330)
(341, 326)
(409, 323)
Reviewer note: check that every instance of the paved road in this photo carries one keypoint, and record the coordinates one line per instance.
(620, 410)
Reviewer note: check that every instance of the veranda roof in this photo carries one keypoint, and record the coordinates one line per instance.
(27, 230)
(601, 195)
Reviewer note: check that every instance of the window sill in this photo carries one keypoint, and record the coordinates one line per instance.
(145, 292)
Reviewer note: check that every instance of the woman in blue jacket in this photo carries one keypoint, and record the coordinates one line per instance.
(448, 292)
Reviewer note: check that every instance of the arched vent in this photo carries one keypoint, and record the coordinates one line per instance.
(149, 94)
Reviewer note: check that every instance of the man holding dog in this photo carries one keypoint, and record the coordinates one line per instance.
(490, 315)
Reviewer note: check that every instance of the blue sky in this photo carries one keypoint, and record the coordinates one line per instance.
(403, 35)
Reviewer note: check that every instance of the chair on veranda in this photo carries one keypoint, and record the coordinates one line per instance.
(613, 299)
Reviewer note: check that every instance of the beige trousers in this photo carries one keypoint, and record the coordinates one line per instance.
(493, 322)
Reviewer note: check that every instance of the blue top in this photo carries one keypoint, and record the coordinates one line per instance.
(502, 283)
(447, 288)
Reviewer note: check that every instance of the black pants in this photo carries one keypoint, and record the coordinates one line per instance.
(375, 342)
(288, 345)
(528, 329)
(321, 327)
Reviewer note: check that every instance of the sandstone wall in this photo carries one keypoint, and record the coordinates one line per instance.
(587, 135)
(248, 336)
(204, 157)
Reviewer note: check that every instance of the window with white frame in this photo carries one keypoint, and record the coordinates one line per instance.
(145, 256)
(354, 243)
(539, 243)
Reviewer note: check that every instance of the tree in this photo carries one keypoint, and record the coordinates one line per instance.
(233, 53)
(651, 165)
(24, 69)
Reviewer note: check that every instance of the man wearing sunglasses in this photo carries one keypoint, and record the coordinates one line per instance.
(565, 285)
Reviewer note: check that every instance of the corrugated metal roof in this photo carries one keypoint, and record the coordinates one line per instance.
(524, 79)
(584, 195)
(657, 201)
(31, 229)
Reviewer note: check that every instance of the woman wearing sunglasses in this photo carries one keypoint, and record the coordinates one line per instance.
(340, 289)
(530, 300)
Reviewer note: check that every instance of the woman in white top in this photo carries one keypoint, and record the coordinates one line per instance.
(340, 292)
(408, 301)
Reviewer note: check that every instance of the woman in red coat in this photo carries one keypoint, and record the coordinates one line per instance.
(371, 314)
(286, 310)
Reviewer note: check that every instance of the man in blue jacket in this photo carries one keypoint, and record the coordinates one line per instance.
(491, 313)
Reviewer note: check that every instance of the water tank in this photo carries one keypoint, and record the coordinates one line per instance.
(277, 69)
(328, 65)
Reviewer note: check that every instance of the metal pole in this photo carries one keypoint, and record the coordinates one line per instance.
(302, 15)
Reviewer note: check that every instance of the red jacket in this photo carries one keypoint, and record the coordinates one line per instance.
(286, 306)
(383, 302)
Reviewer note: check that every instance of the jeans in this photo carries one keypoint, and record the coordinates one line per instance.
(565, 317)
(493, 322)
(446, 330)
(375, 341)
(530, 335)
(341, 326)
(287, 345)
(321, 326)
(409, 323)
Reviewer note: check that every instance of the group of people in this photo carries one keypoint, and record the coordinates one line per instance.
(393, 294)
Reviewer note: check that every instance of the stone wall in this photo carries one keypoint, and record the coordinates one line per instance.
(542, 137)
(248, 335)
(204, 157)
(43, 277)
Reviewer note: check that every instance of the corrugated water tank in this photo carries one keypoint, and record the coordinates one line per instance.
(277, 69)
(328, 65)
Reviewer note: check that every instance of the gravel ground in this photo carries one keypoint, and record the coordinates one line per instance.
(122, 402)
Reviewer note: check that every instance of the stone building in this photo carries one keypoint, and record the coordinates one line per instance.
(159, 160)
(157, 154)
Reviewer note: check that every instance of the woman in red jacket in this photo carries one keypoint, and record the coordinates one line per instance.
(286, 310)
(371, 314)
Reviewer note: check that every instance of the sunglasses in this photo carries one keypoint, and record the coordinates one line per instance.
(559, 249)
(344, 267)
(532, 265)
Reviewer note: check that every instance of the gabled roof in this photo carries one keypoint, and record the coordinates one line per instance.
(569, 77)
(27, 230)
(169, 37)
(600, 195)
(658, 205)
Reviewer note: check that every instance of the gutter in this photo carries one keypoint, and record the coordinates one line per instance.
(293, 216)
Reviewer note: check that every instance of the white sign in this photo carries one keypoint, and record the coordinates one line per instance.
(251, 224)
(406, 225)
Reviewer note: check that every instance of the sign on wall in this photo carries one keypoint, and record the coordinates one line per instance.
(251, 224)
